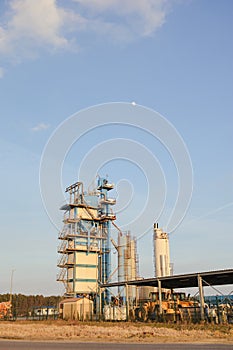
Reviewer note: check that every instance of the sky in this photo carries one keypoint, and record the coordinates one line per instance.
(171, 60)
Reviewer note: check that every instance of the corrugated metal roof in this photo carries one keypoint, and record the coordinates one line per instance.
(69, 300)
(220, 277)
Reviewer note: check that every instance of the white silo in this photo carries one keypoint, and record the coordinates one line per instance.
(161, 252)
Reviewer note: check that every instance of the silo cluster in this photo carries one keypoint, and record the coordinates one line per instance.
(127, 261)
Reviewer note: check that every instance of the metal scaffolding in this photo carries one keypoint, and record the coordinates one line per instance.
(84, 247)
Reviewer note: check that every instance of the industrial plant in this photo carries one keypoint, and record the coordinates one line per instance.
(85, 259)
(91, 291)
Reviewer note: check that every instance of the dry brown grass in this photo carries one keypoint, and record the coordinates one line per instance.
(115, 332)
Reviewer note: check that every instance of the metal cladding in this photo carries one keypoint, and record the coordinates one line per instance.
(80, 308)
(161, 252)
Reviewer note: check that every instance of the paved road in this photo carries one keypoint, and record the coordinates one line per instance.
(21, 345)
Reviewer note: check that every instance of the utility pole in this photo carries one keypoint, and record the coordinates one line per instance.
(12, 273)
(11, 287)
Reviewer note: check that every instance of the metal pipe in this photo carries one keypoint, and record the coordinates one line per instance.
(117, 228)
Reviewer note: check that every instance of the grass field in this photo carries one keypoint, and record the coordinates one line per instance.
(117, 332)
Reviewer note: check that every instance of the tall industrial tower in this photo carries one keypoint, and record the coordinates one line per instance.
(161, 252)
(85, 239)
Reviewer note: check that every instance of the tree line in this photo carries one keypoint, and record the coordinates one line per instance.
(24, 305)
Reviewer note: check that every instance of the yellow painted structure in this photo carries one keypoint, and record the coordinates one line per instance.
(85, 270)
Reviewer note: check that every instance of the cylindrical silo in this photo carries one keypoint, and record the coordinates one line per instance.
(127, 262)
(161, 252)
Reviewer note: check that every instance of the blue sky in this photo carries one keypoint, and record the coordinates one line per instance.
(60, 57)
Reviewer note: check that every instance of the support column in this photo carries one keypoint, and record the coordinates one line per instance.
(201, 294)
(160, 299)
(100, 304)
(127, 301)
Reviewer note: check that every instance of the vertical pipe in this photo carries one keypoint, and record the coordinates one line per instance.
(201, 297)
(88, 240)
(74, 268)
(108, 267)
(100, 296)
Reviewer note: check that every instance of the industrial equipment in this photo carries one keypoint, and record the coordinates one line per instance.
(171, 308)
(5, 309)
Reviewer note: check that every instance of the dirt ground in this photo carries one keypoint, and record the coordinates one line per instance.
(115, 332)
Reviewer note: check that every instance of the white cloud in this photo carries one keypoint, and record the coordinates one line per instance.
(30, 26)
(134, 17)
(33, 24)
(40, 127)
